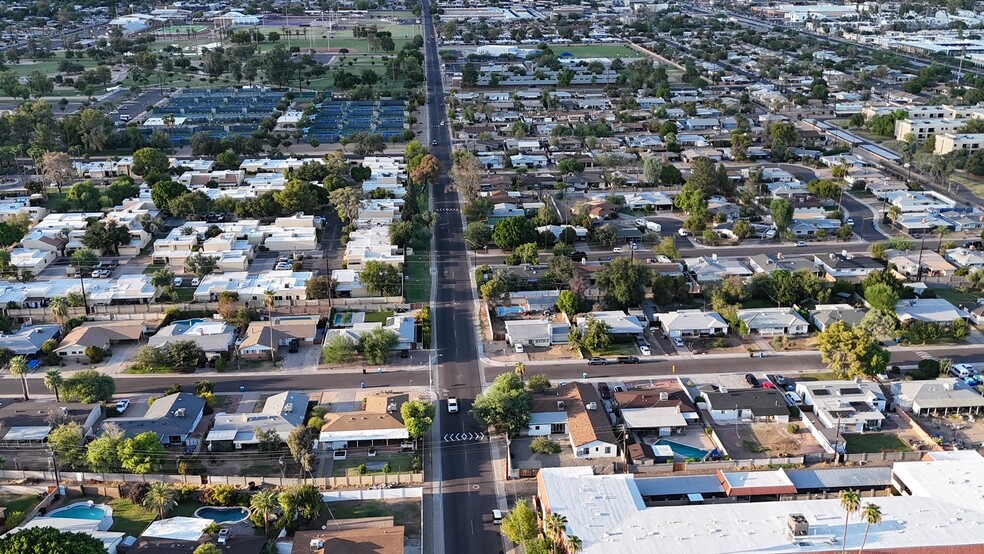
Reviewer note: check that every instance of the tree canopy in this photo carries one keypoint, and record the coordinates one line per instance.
(48, 540)
(505, 406)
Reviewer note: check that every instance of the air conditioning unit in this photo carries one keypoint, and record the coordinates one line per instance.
(317, 544)
(664, 396)
(180, 412)
(798, 525)
(592, 406)
(288, 408)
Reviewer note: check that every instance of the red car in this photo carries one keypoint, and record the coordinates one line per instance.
(604, 391)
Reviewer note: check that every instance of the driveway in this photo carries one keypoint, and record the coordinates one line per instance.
(307, 357)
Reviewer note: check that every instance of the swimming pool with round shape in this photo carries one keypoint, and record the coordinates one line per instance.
(219, 514)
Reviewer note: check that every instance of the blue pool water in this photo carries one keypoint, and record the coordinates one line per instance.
(80, 511)
(684, 450)
(222, 515)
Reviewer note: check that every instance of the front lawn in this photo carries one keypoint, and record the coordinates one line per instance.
(404, 512)
(875, 442)
(956, 296)
(417, 278)
(350, 467)
(620, 349)
(378, 317)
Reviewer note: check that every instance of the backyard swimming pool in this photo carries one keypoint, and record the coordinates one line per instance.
(684, 450)
(82, 510)
(219, 514)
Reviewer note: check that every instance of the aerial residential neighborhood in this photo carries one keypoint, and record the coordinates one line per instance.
(449, 276)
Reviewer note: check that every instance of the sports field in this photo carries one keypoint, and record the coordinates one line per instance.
(182, 30)
(597, 50)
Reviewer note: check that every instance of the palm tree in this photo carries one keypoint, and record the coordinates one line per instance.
(871, 514)
(554, 527)
(160, 497)
(53, 380)
(850, 500)
(520, 370)
(574, 545)
(940, 230)
(18, 366)
(265, 504)
(59, 309)
(894, 213)
(268, 300)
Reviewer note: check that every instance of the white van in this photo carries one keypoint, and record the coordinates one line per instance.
(962, 370)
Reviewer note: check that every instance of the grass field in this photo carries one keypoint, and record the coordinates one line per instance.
(597, 51)
(417, 278)
(350, 467)
(955, 296)
(976, 186)
(404, 512)
(875, 442)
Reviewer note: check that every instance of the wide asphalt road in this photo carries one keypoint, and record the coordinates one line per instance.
(467, 487)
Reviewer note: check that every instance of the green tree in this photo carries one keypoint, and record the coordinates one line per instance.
(339, 350)
(740, 143)
(149, 160)
(882, 297)
(505, 406)
(691, 198)
(850, 352)
(141, 454)
(418, 416)
(782, 214)
(163, 191)
(102, 453)
(512, 232)
(190, 205)
(623, 282)
(606, 234)
(380, 277)
(478, 235)
(67, 442)
(160, 498)
(667, 247)
(84, 196)
(88, 386)
(9, 234)
(521, 524)
(527, 253)
(200, 265)
(48, 540)
(597, 336)
(377, 343)
(538, 383)
(346, 202)
(300, 196)
(824, 188)
(879, 324)
(317, 288)
(207, 548)
(107, 236)
(300, 442)
(568, 303)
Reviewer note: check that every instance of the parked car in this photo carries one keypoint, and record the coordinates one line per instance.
(617, 250)
(801, 243)
(597, 361)
(793, 398)
(603, 391)
(122, 405)
(518, 348)
(627, 360)
(678, 342)
(683, 232)
(645, 350)
(496, 514)
(293, 346)
(196, 281)
(752, 380)
(779, 379)
(452, 405)
(178, 281)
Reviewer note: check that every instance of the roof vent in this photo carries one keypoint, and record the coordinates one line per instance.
(664, 396)
(560, 406)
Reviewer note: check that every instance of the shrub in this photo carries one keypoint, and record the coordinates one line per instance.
(213, 528)
(137, 491)
(220, 495)
(793, 428)
(387, 468)
(416, 464)
(543, 445)
(95, 354)
(184, 492)
(14, 519)
(363, 469)
(315, 423)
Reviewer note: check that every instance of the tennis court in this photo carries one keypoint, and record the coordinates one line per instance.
(219, 112)
(337, 119)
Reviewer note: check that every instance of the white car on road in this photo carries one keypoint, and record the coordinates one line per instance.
(452, 405)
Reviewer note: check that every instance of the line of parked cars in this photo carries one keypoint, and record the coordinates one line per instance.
(283, 262)
(968, 373)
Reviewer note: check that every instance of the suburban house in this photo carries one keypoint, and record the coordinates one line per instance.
(100, 334)
(543, 331)
(936, 310)
(847, 266)
(281, 413)
(617, 321)
(715, 268)
(260, 335)
(853, 406)
(773, 321)
(965, 257)
(692, 323)
(825, 315)
(183, 535)
(747, 405)
(215, 338)
(765, 263)
(379, 423)
(575, 410)
(404, 326)
(27, 341)
(938, 397)
(30, 422)
(174, 418)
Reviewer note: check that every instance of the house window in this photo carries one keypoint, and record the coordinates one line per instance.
(174, 439)
(608, 450)
(558, 428)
